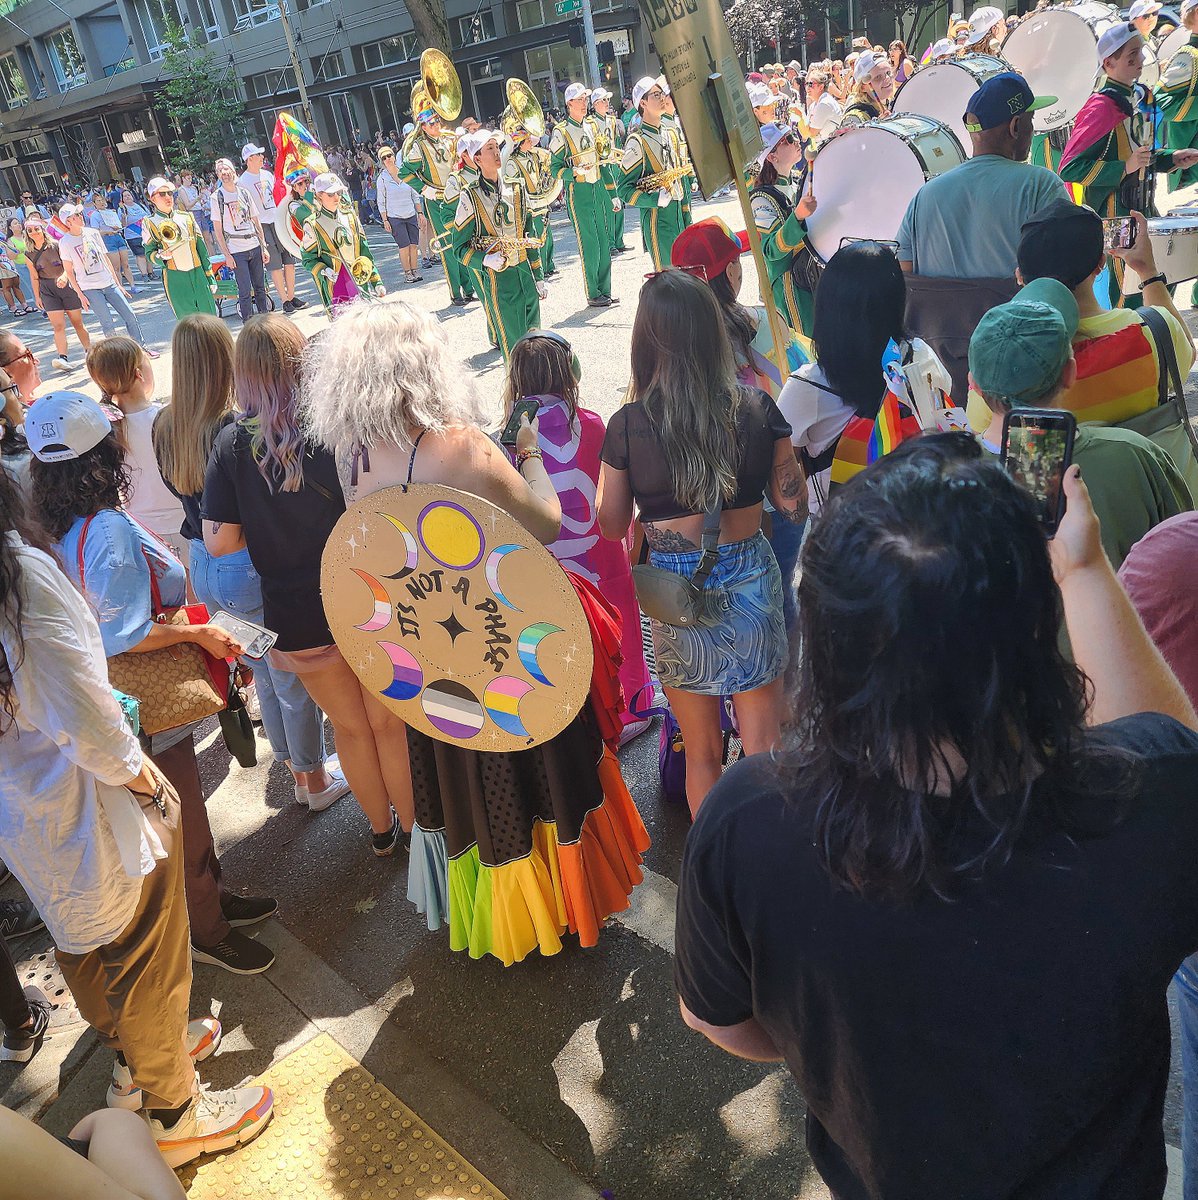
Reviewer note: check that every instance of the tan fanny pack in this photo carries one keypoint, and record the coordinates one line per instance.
(675, 599)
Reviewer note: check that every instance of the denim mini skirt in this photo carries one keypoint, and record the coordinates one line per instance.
(741, 642)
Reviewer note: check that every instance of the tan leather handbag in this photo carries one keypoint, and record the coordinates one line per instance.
(175, 685)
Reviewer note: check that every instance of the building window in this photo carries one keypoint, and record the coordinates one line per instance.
(391, 102)
(478, 28)
(485, 71)
(551, 69)
(254, 12)
(270, 83)
(32, 147)
(332, 66)
(208, 16)
(65, 60)
(154, 17)
(399, 49)
(12, 82)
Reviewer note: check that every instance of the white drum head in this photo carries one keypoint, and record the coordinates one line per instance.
(1056, 52)
(1171, 45)
(1150, 76)
(863, 180)
(943, 90)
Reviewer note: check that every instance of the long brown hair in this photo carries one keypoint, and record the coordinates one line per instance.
(201, 396)
(684, 375)
(541, 366)
(266, 377)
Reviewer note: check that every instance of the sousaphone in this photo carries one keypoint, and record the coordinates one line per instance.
(525, 108)
(441, 83)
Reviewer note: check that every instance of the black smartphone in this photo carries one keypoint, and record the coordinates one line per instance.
(1037, 448)
(519, 409)
(1119, 233)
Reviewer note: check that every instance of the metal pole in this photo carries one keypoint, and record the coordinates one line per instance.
(620, 77)
(852, 30)
(588, 28)
(297, 68)
(827, 35)
(803, 37)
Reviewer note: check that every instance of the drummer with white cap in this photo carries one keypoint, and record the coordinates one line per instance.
(1177, 95)
(987, 27)
(873, 89)
(1144, 15)
(1110, 151)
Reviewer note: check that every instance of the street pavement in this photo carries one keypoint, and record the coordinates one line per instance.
(560, 1077)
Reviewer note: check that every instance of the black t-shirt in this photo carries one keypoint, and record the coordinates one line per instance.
(1011, 1043)
(632, 445)
(285, 532)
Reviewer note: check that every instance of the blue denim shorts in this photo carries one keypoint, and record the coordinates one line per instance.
(741, 642)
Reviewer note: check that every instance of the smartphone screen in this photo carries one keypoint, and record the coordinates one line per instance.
(508, 436)
(1037, 448)
(1119, 233)
(255, 640)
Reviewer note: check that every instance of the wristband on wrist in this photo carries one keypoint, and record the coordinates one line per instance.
(524, 455)
(1159, 278)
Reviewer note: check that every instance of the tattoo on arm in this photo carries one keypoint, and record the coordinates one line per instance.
(668, 541)
(216, 527)
(792, 488)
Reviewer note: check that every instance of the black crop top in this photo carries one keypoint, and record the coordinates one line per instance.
(632, 445)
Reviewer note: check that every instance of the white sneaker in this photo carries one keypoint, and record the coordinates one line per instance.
(203, 1039)
(212, 1122)
(319, 801)
(332, 766)
(61, 362)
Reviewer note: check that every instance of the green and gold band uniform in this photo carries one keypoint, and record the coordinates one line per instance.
(574, 159)
(610, 139)
(333, 240)
(782, 237)
(1176, 95)
(530, 167)
(648, 151)
(174, 245)
(488, 216)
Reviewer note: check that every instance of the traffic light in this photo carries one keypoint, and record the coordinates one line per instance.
(578, 37)
(607, 52)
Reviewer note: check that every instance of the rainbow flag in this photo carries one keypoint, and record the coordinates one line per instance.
(887, 431)
(294, 147)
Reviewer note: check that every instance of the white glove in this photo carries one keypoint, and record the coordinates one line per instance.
(542, 289)
(380, 291)
(330, 274)
(664, 198)
(616, 204)
(495, 261)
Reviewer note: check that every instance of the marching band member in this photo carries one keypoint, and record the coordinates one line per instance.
(174, 245)
(763, 102)
(494, 233)
(873, 87)
(335, 248)
(428, 159)
(673, 126)
(653, 176)
(528, 165)
(1176, 93)
(464, 175)
(575, 161)
(780, 218)
(1144, 15)
(1110, 152)
(610, 135)
(987, 28)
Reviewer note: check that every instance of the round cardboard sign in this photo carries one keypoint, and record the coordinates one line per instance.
(456, 617)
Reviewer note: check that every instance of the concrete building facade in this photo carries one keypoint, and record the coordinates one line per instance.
(78, 78)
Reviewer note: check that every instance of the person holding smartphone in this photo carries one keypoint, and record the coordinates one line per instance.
(1021, 357)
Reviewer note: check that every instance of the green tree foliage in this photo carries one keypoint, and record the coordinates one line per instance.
(201, 100)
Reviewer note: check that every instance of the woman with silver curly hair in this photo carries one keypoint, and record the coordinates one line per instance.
(509, 849)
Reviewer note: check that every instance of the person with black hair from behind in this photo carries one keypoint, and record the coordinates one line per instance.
(954, 906)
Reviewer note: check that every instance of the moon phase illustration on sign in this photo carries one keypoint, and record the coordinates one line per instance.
(456, 617)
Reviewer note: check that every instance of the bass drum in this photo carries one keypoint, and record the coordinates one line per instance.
(1170, 45)
(865, 176)
(1056, 51)
(942, 91)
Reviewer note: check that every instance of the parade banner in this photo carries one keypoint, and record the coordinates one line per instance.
(457, 618)
(693, 43)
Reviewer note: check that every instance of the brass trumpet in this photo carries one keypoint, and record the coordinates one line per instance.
(361, 269)
(169, 234)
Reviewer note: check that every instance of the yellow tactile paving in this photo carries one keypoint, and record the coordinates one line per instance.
(337, 1132)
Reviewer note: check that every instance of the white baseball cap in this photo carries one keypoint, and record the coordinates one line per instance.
(328, 183)
(249, 150)
(771, 135)
(70, 210)
(943, 48)
(576, 92)
(600, 94)
(1143, 8)
(980, 24)
(642, 85)
(760, 96)
(61, 426)
(866, 61)
(1114, 39)
(1187, 6)
(159, 184)
(661, 83)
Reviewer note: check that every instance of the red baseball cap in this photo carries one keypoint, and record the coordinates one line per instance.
(708, 244)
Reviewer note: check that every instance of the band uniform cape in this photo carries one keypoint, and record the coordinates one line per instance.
(1179, 104)
(783, 238)
(495, 219)
(529, 167)
(648, 151)
(574, 159)
(610, 141)
(1104, 135)
(335, 251)
(426, 163)
(174, 245)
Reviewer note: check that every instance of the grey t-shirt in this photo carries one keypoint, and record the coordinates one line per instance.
(965, 224)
